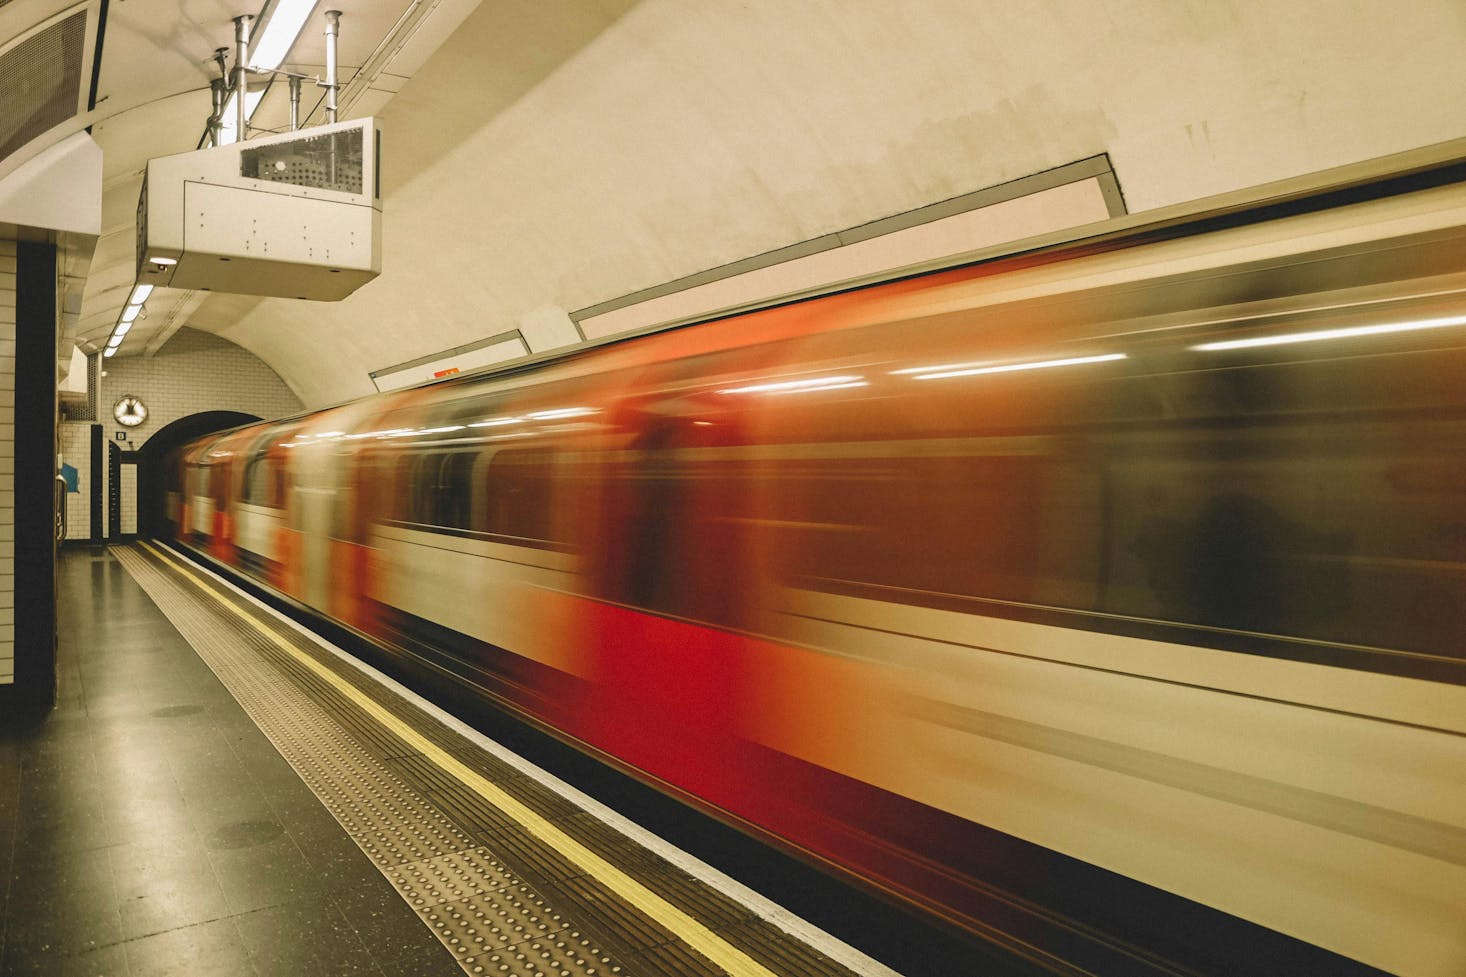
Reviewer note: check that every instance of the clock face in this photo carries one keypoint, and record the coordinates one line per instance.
(130, 412)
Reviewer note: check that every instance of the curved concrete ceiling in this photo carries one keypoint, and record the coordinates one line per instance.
(541, 158)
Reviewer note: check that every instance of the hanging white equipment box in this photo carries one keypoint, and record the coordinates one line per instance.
(295, 216)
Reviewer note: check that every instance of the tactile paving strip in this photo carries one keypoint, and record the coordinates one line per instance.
(517, 916)
(501, 901)
(449, 878)
(475, 906)
(564, 953)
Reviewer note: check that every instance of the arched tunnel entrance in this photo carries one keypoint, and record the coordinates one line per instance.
(151, 455)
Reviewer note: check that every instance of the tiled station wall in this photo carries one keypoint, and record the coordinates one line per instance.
(7, 462)
(194, 372)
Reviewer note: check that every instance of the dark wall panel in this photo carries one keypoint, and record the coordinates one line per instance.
(35, 479)
(94, 486)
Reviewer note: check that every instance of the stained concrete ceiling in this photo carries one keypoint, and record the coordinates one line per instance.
(544, 157)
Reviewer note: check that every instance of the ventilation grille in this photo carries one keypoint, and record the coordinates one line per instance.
(77, 406)
(40, 78)
(94, 380)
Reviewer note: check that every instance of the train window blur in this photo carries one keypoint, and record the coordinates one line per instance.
(1236, 492)
(1008, 525)
(518, 496)
(217, 480)
(425, 483)
(382, 488)
(197, 519)
(418, 507)
(440, 489)
(505, 494)
(264, 482)
(1276, 530)
(193, 482)
(455, 490)
(674, 520)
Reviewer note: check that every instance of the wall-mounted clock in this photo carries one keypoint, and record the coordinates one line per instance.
(129, 411)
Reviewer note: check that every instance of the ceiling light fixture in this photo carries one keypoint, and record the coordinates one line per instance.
(140, 293)
(283, 22)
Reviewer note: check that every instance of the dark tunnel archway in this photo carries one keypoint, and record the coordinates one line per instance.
(150, 459)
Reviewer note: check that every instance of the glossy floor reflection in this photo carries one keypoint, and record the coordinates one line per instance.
(147, 827)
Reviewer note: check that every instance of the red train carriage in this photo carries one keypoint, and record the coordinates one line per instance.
(1149, 560)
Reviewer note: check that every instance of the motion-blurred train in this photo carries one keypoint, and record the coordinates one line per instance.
(1107, 595)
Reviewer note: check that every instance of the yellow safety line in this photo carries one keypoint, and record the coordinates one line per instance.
(684, 927)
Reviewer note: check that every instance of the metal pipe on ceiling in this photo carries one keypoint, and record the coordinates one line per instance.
(241, 86)
(294, 102)
(333, 32)
(217, 88)
(218, 96)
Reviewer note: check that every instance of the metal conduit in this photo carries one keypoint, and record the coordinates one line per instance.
(333, 33)
(241, 58)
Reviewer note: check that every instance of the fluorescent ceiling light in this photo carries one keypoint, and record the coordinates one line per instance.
(130, 313)
(282, 26)
(109, 350)
(114, 342)
(140, 293)
(956, 369)
(122, 328)
(1345, 333)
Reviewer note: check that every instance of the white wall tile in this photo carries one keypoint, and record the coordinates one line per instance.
(194, 372)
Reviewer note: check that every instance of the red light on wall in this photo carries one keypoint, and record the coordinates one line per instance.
(445, 373)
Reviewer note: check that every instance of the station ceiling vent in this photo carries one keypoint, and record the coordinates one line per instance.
(295, 216)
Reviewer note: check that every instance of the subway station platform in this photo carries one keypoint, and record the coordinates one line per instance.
(219, 792)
